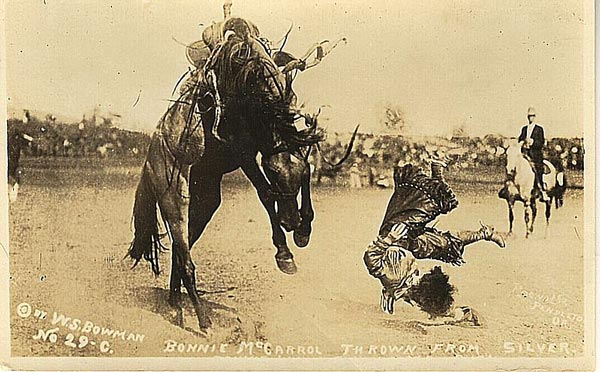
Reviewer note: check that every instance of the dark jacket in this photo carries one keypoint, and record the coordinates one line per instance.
(535, 151)
(417, 200)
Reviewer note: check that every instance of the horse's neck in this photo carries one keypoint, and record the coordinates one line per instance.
(522, 164)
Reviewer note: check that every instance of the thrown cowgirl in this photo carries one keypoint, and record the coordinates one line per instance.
(404, 238)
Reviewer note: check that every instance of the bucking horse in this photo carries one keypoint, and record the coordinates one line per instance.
(239, 104)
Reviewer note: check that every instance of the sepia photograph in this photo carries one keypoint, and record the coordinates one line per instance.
(297, 185)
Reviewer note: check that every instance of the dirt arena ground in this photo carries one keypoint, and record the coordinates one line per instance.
(71, 227)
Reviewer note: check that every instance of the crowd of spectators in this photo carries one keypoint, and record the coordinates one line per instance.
(90, 137)
(370, 162)
(374, 156)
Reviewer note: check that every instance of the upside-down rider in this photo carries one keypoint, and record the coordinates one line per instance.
(404, 238)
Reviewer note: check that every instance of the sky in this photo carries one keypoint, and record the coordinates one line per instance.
(446, 64)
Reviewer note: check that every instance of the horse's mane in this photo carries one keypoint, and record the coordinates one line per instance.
(255, 95)
(239, 66)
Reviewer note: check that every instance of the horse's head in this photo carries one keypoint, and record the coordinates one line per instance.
(513, 156)
(287, 173)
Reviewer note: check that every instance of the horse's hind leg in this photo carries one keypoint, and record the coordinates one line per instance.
(533, 214)
(175, 299)
(548, 209)
(527, 217)
(205, 199)
(175, 208)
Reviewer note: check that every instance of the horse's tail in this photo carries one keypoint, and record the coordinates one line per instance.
(146, 242)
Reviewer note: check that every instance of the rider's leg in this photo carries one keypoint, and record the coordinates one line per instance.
(539, 179)
(484, 233)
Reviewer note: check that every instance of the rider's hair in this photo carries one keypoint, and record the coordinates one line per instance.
(433, 293)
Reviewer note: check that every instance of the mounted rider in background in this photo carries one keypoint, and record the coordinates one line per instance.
(533, 141)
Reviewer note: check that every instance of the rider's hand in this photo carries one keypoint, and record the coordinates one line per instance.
(397, 232)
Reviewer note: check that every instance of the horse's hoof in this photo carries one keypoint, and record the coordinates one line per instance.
(175, 316)
(301, 240)
(206, 330)
(287, 265)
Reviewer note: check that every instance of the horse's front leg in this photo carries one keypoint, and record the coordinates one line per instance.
(511, 216)
(283, 257)
(307, 214)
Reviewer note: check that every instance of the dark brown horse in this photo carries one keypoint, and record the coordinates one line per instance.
(251, 112)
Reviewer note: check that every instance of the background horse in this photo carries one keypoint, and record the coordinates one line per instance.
(251, 112)
(520, 186)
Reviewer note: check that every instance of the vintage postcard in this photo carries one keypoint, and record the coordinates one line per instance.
(297, 185)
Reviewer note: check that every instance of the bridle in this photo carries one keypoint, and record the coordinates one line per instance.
(273, 190)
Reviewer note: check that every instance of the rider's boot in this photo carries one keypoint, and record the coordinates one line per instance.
(484, 233)
(437, 168)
